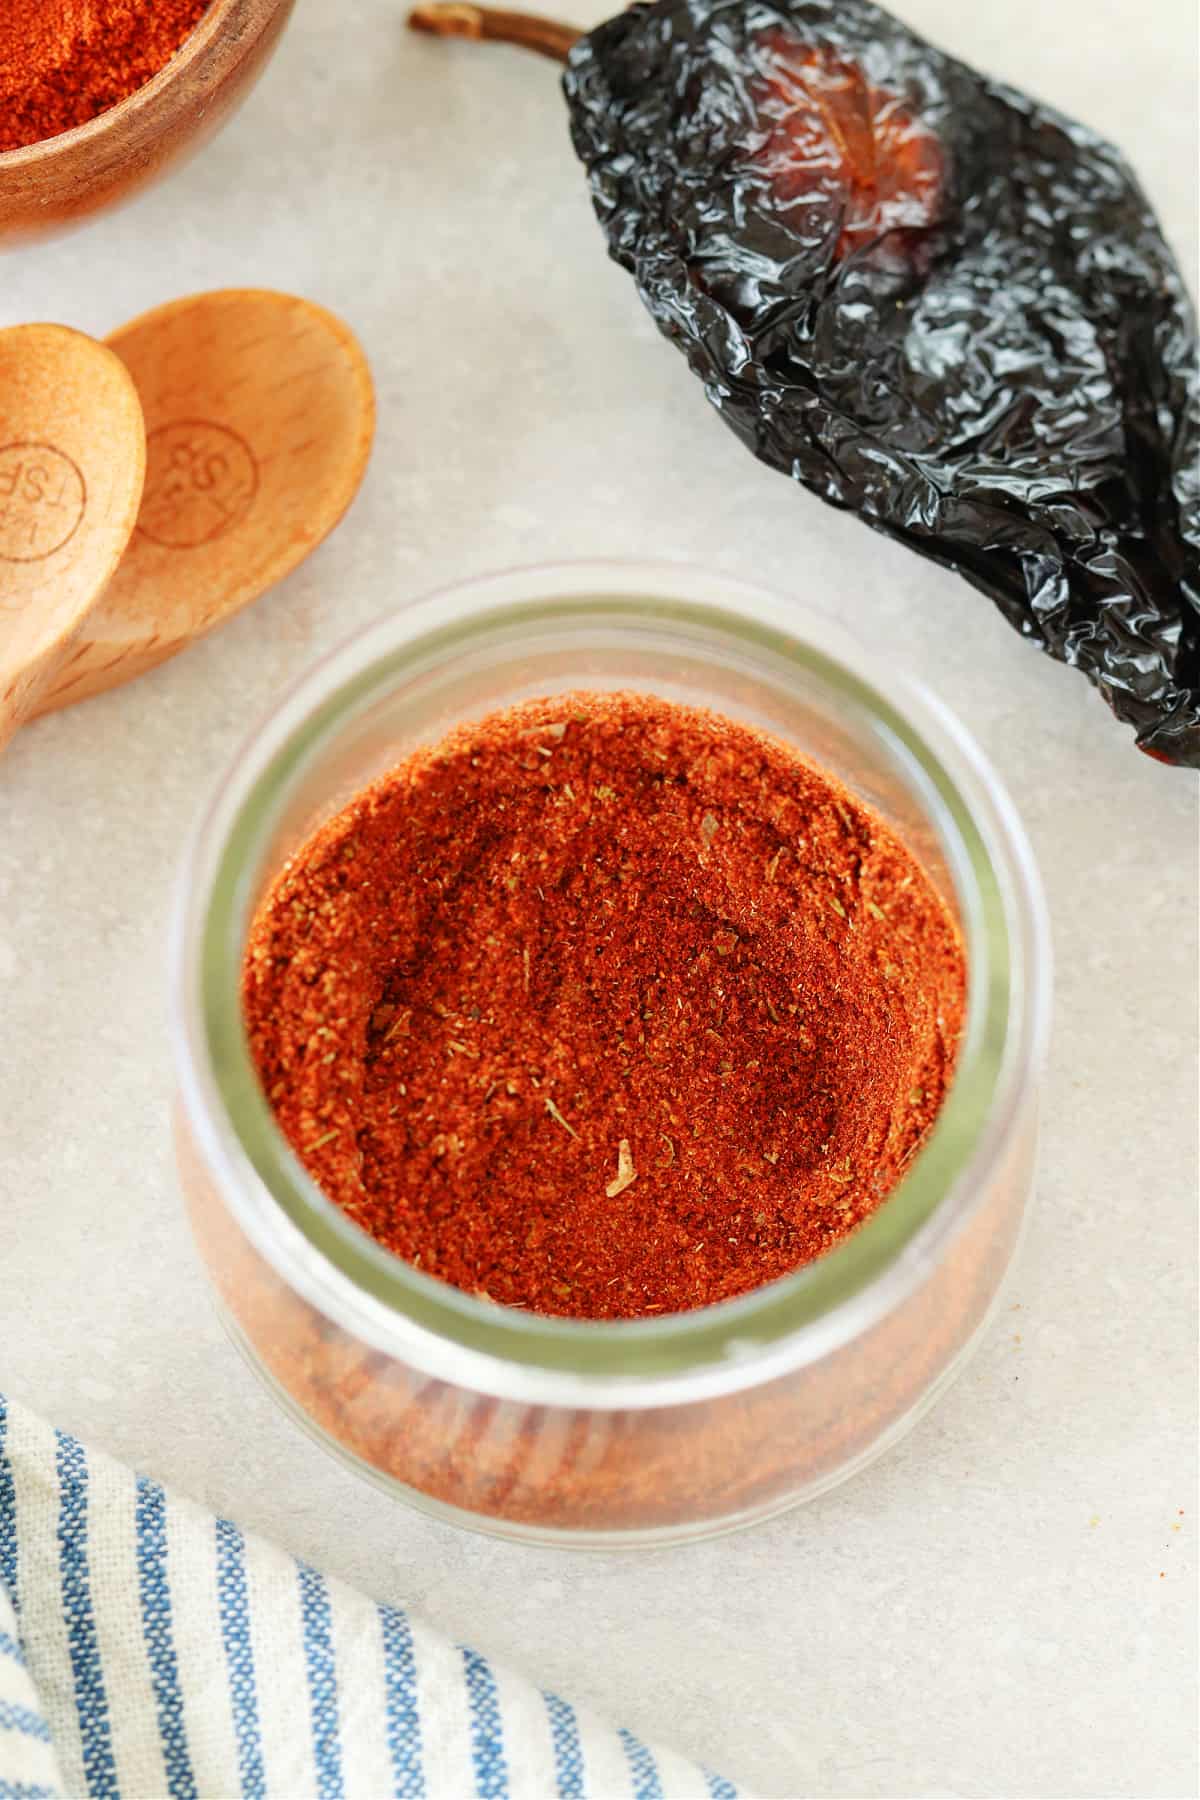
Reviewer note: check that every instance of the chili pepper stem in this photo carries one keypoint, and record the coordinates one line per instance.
(457, 18)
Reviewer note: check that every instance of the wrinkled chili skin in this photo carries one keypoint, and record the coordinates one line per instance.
(1004, 376)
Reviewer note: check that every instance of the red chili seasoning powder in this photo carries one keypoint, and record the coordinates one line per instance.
(64, 61)
(605, 1007)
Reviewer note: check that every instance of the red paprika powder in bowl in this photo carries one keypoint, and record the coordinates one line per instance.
(582, 1117)
(96, 100)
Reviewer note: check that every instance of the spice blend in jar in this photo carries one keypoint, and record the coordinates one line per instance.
(63, 62)
(605, 1007)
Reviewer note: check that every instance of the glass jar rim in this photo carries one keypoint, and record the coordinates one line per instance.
(453, 1335)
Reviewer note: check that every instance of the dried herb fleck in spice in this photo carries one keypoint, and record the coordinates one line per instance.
(604, 1007)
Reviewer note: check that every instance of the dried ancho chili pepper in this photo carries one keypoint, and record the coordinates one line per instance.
(931, 299)
(605, 1007)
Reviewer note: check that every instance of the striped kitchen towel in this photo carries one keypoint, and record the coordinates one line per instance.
(148, 1649)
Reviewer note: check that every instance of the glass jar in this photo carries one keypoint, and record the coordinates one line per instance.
(634, 1431)
(64, 179)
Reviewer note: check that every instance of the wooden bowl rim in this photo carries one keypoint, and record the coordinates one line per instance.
(199, 41)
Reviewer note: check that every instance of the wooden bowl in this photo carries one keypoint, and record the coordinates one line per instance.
(64, 179)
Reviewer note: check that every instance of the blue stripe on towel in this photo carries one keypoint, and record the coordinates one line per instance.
(91, 1701)
(400, 1695)
(27, 1790)
(568, 1749)
(10, 1647)
(233, 1601)
(8, 1513)
(718, 1787)
(646, 1782)
(317, 1618)
(24, 1720)
(487, 1737)
(157, 1627)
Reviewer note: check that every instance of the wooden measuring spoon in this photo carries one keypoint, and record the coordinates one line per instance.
(72, 461)
(259, 418)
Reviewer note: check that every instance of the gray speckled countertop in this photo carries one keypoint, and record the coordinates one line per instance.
(1005, 1604)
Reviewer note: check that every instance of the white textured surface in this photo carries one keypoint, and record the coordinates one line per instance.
(1005, 1605)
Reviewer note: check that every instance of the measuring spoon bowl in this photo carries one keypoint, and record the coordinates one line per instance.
(260, 415)
(72, 463)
